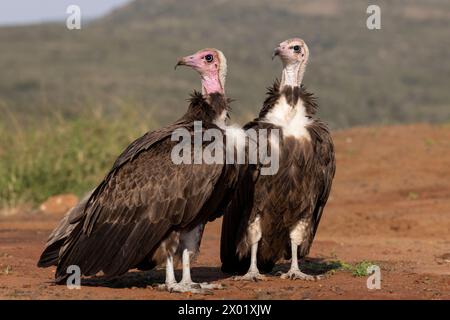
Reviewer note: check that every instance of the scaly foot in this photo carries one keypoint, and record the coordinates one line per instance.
(298, 275)
(197, 288)
(251, 276)
(211, 286)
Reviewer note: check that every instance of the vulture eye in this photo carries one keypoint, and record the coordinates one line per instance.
(209, 58)
(296, 48)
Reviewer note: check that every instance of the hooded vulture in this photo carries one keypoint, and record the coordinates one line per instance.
(276, 216)
(149, 210)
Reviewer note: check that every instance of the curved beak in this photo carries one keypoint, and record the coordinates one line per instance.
(180, 62)
(276, 52)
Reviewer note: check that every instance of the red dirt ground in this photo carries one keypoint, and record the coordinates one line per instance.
(390, 205)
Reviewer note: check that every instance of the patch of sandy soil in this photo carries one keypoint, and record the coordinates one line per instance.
(390, 205)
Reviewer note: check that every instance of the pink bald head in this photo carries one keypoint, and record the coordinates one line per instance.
(211, 65)
(292, 51)
(294, 55)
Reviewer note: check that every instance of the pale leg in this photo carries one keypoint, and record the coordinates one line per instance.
(294, 272)
(186, 267)
(187, 280)
(186, 284)
(170, 273)
(253, 272)
(170, 281)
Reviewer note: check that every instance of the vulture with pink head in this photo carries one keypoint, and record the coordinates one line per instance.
(148, 210)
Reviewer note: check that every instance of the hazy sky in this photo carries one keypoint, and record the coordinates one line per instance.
(32, 11)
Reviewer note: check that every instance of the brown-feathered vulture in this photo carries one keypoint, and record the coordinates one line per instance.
(149, 210)
(277, 215)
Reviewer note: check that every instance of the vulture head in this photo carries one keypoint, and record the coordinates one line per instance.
(294, 54)
(211, 65)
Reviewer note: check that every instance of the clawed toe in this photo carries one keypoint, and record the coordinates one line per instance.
(250, 276)
(211, 286)
(162, 287)
(192, 287)
(189, 287)
(298, 275)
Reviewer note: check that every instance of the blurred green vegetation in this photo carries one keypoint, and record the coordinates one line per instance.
(59, 155)
(53, 81)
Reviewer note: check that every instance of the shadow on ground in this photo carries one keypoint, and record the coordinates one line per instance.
(143, 279)
(311, 266)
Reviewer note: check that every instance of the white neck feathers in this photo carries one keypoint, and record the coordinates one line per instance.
(292, 120)
(292, 74)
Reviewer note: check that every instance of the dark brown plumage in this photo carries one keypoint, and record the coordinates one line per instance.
(139, 211)
(297, 192)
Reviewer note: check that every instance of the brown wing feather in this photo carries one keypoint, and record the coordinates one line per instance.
(56, 240)
(235, 221)
(134, 209)
(326, 163)
(241, 210)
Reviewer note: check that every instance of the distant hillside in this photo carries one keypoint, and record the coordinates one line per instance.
(397, 74)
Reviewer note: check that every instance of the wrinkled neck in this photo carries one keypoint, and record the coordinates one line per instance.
(211, 84)
(292, 74)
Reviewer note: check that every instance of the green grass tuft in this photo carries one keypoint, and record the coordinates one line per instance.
(358, 270)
